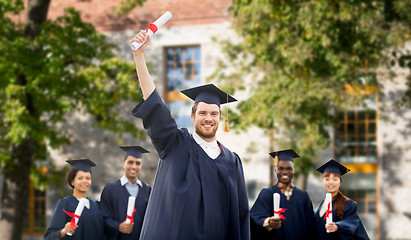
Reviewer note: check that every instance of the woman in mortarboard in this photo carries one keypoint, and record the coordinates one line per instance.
(346, 223)
(90, 223)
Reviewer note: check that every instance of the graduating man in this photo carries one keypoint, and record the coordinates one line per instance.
(297, 221)
(114, 198)
(199, 190)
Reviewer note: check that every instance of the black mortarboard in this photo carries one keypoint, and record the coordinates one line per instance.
(208, 93)
(82, 164)
(333, 166)
(134, 151)
(284, 155)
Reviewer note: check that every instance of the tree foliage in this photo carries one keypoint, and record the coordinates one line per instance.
(50, 69)
(67, 67)
(127, 5)
(299, 57)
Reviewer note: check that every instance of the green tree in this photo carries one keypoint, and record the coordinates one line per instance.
(47, 70)
(299, 57)
(127, 5)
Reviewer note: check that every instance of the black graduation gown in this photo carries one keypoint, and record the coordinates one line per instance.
(114, 202)
(194, 196)
(90, 224)
(350, 227)
(299, 216)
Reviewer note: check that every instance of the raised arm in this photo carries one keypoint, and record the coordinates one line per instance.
(146, 83)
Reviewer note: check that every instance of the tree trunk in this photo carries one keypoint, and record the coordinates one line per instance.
(17, 176)
(36, 15)
(271, 146)
(15, 191)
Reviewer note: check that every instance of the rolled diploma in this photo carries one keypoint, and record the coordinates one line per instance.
(328, 199)
(130, 207)
(276, 199)
(79, 210)
(159, 23)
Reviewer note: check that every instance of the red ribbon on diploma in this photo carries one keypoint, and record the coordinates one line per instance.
(131, 217)
(327, 213)
(152, 27)
(279, 213)
(73, 220)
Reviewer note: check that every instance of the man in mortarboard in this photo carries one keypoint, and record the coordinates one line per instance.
(115, 195)
(199, 190)
(296, 215)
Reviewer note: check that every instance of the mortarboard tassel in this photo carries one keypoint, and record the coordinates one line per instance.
(227, 127)
(276, 161)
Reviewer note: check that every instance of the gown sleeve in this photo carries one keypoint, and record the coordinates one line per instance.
(57, 223)
(107, 208)
(243, 201)
(309, 213)
(361, 233)
(261, 209)
(349, 224)
(158, 122)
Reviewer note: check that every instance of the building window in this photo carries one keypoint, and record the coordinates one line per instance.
(35, 219)
(361, 186)
(356, 136)
(182, 71)
(356, 148)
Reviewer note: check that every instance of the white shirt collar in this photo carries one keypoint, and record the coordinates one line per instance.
(211, 148)
(124, 180)
(201, 141)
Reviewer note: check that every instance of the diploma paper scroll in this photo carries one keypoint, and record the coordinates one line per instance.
(276, 201)
(130, 208)
(78, 212)
(152, 29)
(329, 214)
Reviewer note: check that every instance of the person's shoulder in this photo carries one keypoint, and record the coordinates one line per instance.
(184, 136)
(349, 203)
(268, 190)
(62, 202)
(92, 201)
(67, 198)
(185, 132)
(145, 184)
(299, 191)
(112, 185)
(232, 154)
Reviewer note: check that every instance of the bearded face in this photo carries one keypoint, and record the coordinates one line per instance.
(206, 119)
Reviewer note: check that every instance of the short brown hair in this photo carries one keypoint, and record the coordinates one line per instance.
(194, 109)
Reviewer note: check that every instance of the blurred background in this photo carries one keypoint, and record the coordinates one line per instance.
(330, 79)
